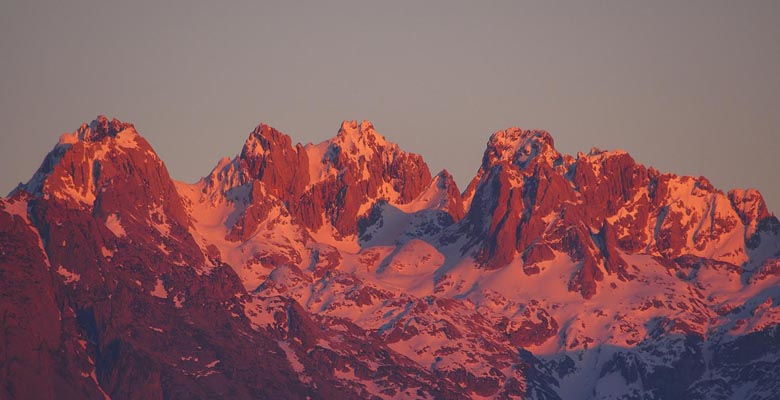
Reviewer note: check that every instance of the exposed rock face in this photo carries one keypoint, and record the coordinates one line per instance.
(596, 208)
(332, 183)
(47, 344)
(345, 270)
(269, 157)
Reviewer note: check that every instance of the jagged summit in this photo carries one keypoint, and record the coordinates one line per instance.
(73, 167)
(355, 128)
(101, 127)
(445, 176)
(262, 139)
(360, 139)
(519, 146)
(514, 136)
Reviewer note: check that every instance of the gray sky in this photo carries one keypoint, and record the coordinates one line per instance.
(688, 87)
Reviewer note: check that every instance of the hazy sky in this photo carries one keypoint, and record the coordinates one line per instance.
(689, 87)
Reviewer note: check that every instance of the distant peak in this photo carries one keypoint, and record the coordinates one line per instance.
(520, 146)
(515, 136)
(100, 128)
(363, 131)
(80, 158)
(262, 138)
(444, 179)
(266, 131)
(352, 126)
(444, 174)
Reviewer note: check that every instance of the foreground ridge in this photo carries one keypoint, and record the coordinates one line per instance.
(346, 269)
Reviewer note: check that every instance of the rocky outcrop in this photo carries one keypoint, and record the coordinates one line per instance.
(332, 183)
(595, 208)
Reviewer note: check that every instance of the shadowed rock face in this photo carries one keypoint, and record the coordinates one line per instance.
(345, 270)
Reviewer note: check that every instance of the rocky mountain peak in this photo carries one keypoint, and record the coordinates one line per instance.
(269, 156)
(453, 200)
(355, 128)
(100, 128)
(519, 147)
(751, 207)
(359, 139)
(749, 203)
(72, 169)
(264, 139)
(444, 179)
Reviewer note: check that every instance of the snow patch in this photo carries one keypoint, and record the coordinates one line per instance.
(115, 226)
(159, 290)
(295, 363)
(69, 276)
(178, 301)
(107, 253)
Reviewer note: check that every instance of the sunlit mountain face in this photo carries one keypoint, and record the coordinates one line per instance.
(348, 270)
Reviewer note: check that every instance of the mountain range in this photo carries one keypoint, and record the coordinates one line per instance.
(348, 270)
